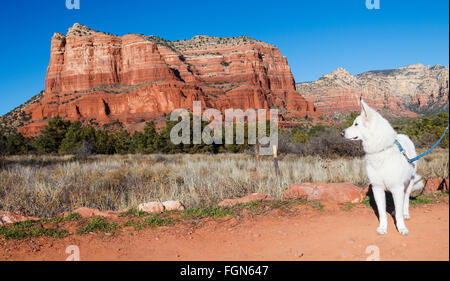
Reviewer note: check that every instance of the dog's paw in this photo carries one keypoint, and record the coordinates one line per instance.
(403, 231)
(382, 230)
(406, 216)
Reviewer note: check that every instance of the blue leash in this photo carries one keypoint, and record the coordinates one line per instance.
(423, 154)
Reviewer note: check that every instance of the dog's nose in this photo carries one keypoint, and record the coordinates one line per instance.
(342, 133)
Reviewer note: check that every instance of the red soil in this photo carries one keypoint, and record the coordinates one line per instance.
(306, 234)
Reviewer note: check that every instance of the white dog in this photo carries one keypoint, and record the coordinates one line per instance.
(387, 168)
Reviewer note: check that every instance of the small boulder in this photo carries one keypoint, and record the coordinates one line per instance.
(151, 207)
(339, 192)
(245, 199)
(173, 206)
(86, 212)
(436, 184)
(9, 217)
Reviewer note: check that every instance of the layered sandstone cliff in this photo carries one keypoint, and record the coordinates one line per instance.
(99, 77)
(403, 92)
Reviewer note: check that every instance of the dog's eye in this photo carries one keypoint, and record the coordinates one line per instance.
(356, 124)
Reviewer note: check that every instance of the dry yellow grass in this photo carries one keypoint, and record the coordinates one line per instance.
(47, 185)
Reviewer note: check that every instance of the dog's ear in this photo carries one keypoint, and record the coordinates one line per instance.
(365, 110)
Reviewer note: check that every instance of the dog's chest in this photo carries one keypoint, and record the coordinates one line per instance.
(388, 167)
(380, 160)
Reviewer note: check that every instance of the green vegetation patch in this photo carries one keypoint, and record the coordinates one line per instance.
(98, 224)
(158, 220)
(252, 205)
(137, 224)
(208, 212)
(366, 201)
(29, 229)
(277, 203)
(421, 199)
(427, 198)
(347, 206)
(69, 217)
(424, 131)
(152, 221)
(133, 212)
(316, 205)
(313, 203)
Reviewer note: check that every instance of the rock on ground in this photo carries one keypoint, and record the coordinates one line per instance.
(436, 184)
(9, 217)
(173, 206)
(339, 192)
(245, 199)
(86, 212)
(151, 207)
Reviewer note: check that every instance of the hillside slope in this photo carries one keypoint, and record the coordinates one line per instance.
(403, 92)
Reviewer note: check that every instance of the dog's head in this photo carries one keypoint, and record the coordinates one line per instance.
(360, 125)
(375, 132)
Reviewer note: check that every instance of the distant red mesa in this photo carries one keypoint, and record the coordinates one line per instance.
(98, 77)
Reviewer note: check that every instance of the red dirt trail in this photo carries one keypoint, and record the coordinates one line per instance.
(309, 234)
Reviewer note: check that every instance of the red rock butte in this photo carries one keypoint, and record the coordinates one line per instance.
(101, 78)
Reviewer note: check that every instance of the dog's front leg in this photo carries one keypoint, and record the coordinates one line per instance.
(399, 197)
(380, 199)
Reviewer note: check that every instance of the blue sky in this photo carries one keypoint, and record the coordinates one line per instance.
(317, 36)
